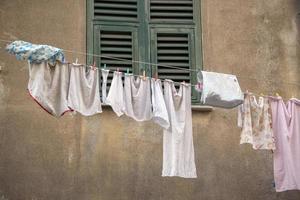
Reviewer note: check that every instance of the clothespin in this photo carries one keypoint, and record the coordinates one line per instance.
(277, 94)
(127, 71)
(76, 61)
(144, 75)
(156, 75)
(118, 70)
(261, 94)
(104, 66)
(94, 65)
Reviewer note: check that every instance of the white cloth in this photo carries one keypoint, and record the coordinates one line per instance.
(84, 95)
(220, 90)
(104, 73)
(137, 97)
(48, 86)
(115, 97)
(178, 147)
(160, 113)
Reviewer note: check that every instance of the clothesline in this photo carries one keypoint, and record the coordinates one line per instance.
(155, 64)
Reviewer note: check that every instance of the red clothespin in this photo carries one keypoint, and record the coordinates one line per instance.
(94, 66)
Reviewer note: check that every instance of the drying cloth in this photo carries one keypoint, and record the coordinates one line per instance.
(137, 97)
(49, 85)
(286, 126)
(35, 53)
(178, 147)
(104, 73)
(84, 94)
(220, 90)
(255, 120)
(160, 113)
(115, 97)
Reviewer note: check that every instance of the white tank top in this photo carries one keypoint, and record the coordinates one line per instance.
(84, 95)
(137, 97)
(178, 147)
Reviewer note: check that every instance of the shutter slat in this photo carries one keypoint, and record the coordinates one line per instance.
(116, 49)
(174, 71)
(168, 2)
(173, 51)
(113, 43)
(117, 6)
(176, 56)
(115, 13)
(171, 45)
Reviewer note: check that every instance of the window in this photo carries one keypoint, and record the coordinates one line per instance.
(166, 32)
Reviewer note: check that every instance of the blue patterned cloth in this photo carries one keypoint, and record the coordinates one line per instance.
(35, 53)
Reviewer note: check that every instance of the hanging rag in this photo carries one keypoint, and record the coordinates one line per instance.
(104, 73)
(219, 90)
(137, 97)
(255, 120)
(160, 113)
(35, 53)
(286, 158)
(115, 97)
(178, 147)
(84, 94)
(48, 86)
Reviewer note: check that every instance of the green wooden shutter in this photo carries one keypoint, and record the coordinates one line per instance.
(166, 32)
(117, 42)
(116, 10)
(174, 47)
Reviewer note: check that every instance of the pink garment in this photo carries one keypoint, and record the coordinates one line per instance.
(286, 127)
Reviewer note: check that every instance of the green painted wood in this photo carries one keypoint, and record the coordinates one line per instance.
(89, 30)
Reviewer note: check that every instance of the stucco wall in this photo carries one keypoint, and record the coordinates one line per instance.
(110, 158)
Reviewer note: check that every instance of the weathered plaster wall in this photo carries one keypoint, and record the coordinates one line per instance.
(110, 158)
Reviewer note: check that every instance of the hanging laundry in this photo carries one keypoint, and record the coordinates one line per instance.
(84, 95)
(35, 53)
(115, 97)
(137, 97)
(219, 90)
(286, 126)
(160, 113)
(178, 148)
(48, 86)
(104, 73)
(255, 120)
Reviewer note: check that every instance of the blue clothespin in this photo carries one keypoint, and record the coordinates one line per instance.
(104, 66)
(127, 72)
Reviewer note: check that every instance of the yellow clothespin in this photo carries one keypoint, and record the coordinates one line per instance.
(261, 94)
(277, 94)
(144, 75)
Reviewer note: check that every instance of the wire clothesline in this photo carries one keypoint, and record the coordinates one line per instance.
(155, 64)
